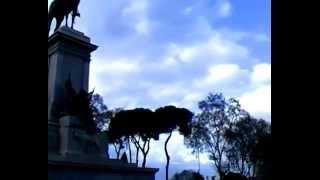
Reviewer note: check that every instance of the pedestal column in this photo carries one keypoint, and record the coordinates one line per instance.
(68, 57)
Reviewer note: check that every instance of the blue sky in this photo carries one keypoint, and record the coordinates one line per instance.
(158, 52)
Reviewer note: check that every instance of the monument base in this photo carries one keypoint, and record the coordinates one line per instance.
(76, 141)
(69, 157)
(64, 168)
(53, 137)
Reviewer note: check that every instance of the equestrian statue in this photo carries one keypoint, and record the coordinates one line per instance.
(60, 9)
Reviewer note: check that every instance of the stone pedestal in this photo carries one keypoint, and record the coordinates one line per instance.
(68, 57)
(69, 131)
(75, 141)
(53, 137)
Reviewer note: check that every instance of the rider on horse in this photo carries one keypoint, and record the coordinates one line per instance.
(60, 9)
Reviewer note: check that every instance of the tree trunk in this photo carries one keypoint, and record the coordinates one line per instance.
(248, 170)
(167, 155)
(254, 170)
(137, 155)
(242, 167)
(198, 157)
(130, 158)
(144, 159)
(118, 154)
(221, 173)
(135, 142)
(116, 150)
(145, 152)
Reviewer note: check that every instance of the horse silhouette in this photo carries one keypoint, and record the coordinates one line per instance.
(60, 9)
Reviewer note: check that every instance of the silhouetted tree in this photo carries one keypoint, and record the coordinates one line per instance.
(118, 145)
(217, 114)
(168, 119)
(101, 114)
(236, 142)
(187, 175)
(261, 155)
(242, 139)
(145, 129)
(136, 141)
(194, 141)
(117, 141)
(136, 124)
(128, 146)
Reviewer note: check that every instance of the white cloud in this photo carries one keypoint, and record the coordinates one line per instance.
(190, 100)
(136, 12)
(126, 102)
(143, 27)
(245, 35)
(221, 72)
(158, 92)
(187, 10)
(224, 8)
(135, 7)
(262, 38)
(261, 73)
(116, 67)
(109, 75)
(176, 148)
(216, 48)
(251, 87)
(222, 75)
(258, 100)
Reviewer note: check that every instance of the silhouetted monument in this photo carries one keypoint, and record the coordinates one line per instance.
(73, 152)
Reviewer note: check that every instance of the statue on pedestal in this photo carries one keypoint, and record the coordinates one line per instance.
(60, 9)
(75, 149)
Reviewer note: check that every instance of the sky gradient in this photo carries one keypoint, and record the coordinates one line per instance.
(159, 52)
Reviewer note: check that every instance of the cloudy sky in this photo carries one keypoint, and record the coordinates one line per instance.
(158, 52)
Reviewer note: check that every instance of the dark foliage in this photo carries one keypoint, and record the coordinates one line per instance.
(187, 174)
(234, 176)
(79, 105)
(168, 119)
(101, 114)
(134, 124)
(144, 124)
